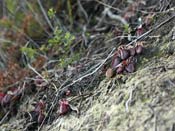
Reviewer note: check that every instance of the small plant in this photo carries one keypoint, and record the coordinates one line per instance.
(127, 28)
(61, 38)
(51, 13)
(124, 60)
(62, 41)
(64, 107)
(68, 39)
(29, 52)
(57, 38)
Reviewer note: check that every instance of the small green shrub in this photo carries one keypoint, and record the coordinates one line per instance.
(61, 38)
(29, 52)
(63, 41)
(51, 13)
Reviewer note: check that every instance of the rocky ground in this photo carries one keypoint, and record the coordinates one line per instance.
(141, 101)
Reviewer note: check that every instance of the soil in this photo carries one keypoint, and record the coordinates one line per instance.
(141, 101)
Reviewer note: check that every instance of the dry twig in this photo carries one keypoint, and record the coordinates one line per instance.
(45, 15)
(129, 100)
(151, 30)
